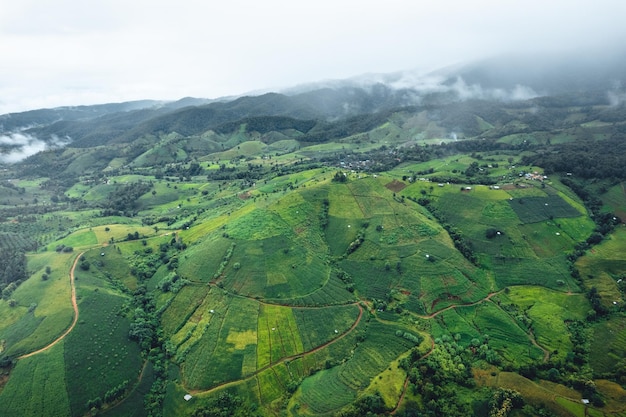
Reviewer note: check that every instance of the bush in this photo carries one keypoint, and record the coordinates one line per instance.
(491, 233)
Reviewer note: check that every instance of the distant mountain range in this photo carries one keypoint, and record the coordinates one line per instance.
(597, 78)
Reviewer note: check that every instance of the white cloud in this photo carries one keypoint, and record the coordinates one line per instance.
(76, 52)
(18, 146)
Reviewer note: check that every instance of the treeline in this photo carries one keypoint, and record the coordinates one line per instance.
(265, 124)
(12, 270)
(184, 171)
(123, 200)
(584, 159)
(226, 405)
(328, 131)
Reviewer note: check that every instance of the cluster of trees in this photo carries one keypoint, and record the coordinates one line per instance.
(324, 214)
(183, 171)
(265, 124)
(12, 269)
(109, 397)
(225, 260)
(504, 401)
(436, 377)
(226, 405)
(410, 336)
(328, 131)
(346, 279)
(172, 283)
(145, 329)
(584, 159)
(368, 405)
(340, 177)
(64, 249)
(123, 200)
(357, 242)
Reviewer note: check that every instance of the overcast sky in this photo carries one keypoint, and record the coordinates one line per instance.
(71, 52)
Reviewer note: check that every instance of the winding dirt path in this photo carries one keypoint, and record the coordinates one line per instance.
(450, 307)
(74, 306)
(406, 380)
(285, 359)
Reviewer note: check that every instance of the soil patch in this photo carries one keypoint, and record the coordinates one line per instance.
(396, 186)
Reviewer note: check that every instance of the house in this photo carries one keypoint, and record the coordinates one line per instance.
(187, 397)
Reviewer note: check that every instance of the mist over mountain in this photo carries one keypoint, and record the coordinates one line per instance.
(596, 78)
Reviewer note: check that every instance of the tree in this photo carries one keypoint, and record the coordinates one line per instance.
(491, 233)
(84, 264)
(340, 177)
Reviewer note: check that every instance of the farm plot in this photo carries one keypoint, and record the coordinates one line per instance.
(609, 254)
(119, 232)
(98, 354)
(505, 335)
(278, 335)
(297, 209)
(324, 393)
(442, 284)
(373, 279)
(373, 205)
(317, 326)
(381, 346)
(182, 307)
(537, 209)
(202, 261)
(577, 228)
(259, 224)
(458, 206)
(133, 405)
(270, 385)
(368, 187)
(340, 232)
(548, 272)
(273, 268)
(227, 347)
(80, 238)
(546, 239)
(615, 198)
(333, 292)
(342, 203)
(49, 304)
(331, 389)
(206, 316)
(16, 241)
(549, 311)
(37, 387)
(608, 344)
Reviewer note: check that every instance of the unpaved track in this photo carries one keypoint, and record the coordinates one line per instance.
(282, 360)
(74, 306)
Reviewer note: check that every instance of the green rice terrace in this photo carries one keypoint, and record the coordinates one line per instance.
(234, 273)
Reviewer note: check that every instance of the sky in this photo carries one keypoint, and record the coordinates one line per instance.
(73, 52)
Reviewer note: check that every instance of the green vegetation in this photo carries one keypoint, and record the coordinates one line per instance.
(285, 264)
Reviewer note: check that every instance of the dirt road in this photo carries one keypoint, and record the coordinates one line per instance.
(74, 306)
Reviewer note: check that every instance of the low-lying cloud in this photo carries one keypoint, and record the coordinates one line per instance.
(15, 147)
(461, 89)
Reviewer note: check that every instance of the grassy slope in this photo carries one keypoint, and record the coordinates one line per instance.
(281, 255)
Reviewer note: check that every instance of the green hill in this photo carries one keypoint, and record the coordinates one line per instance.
(272, 256)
